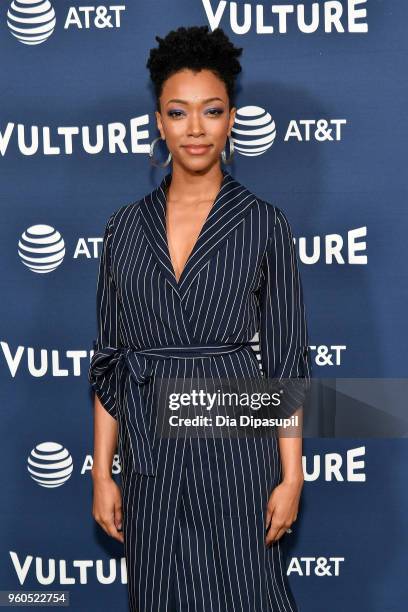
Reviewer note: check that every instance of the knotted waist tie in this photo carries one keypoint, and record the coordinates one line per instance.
(139, 364)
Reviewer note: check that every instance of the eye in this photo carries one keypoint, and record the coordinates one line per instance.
(215, 111)
(174, 113)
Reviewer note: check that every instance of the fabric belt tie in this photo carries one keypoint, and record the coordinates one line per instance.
(139, 364)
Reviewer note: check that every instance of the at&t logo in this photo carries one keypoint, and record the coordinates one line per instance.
(30, 21)
(41, 248)
(33, 21)
(50, 464)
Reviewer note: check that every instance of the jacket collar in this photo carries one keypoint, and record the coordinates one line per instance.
(231, 205)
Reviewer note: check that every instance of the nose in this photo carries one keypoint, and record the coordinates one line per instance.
(195, 127)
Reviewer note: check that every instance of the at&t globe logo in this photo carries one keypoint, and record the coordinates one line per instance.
(31, 21)
(41, 248)
(254, 131)
(50, 464)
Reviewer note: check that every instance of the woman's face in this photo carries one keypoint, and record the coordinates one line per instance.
(194, 111)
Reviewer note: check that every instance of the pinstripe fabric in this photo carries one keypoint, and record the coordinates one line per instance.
(194, 522)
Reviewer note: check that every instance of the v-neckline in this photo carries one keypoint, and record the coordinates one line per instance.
(232, 203)
(201, 232)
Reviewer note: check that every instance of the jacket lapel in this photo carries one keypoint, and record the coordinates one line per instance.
(153, 216)
(231, 205)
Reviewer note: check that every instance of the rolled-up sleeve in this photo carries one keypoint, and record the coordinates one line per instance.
(103, 379)
(283, 337)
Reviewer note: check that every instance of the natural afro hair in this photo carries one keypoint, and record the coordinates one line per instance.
(195, 48)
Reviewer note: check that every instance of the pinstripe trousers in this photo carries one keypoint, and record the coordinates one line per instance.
(203, 551)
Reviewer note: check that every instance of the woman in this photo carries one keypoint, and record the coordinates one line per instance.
(187, 276)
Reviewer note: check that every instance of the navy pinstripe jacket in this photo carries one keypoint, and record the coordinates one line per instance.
(241, 278)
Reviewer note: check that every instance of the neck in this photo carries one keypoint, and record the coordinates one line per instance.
(191, 187)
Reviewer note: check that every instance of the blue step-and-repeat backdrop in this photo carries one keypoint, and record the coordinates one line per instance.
(76, 120)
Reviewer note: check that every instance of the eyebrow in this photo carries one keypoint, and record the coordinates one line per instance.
(186, 102)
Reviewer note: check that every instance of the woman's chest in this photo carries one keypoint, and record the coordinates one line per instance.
(225, 270)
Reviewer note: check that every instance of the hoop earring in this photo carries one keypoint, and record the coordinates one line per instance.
(231, 148)
(152, 160)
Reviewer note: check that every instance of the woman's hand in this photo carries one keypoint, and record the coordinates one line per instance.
(107, 506)
(282, 509)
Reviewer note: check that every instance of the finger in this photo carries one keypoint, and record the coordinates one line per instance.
(103, 526)
(270, 536)
(276, 530)
(268, 514)
(117, 535)
(118, 518)
(120, 537)
(268, 517)
(278, 534)
(113, 532)
(109, 526)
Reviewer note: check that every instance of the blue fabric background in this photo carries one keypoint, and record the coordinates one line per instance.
(91, 76)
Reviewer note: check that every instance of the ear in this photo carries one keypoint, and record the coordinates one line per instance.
(159, 124)
(233, 112)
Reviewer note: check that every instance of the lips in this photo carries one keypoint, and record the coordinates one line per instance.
(197, 149)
